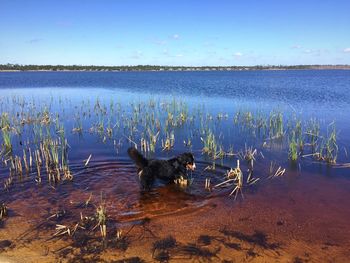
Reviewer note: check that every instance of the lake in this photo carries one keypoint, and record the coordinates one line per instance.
(64, 165)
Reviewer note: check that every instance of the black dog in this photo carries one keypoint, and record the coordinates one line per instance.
(166, 170)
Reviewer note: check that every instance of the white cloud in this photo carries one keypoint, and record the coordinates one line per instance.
(175, 36)
(179, 55)
(238, 54)
(346, 50)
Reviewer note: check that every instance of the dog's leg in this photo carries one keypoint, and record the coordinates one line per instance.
(146, 178)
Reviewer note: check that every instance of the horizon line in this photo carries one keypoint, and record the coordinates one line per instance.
(175, 66)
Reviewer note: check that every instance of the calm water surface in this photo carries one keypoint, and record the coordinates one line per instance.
(302, 90)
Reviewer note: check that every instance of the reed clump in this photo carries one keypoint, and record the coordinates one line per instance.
(101, 216)
(250, 156)
(169, 141)
(329, 148)
(275, 172)
(8, 182)
(5, 130)
(293, 150)
(276, 125)
(237, 175)
(234, 177)
(211, 147)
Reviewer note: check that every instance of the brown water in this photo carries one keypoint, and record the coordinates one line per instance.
(288, 219)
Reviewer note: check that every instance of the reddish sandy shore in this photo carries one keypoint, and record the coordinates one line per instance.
(290, 219)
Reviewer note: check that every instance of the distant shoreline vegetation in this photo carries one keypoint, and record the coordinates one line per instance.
(19, 67)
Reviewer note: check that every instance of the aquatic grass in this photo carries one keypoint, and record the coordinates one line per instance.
(25, 161)
(329, 148)
(159, 122)
(237, 175)
(5, 129)
(38, 164)
(153, 137)
(293, 150)
(188, 143)
(276, 128)
(63, 229)
(87, 160)
(298, 133)
(209, 144)
(78, 126)
(6, 139)
(249, 156)
(275, 172)
(109, 129)
(8, 182)
(169, 141)
(18, 165)
(234, 177)
(44, 116)
(313, 133)
(3, 211)
(207, 184)
(101, 217)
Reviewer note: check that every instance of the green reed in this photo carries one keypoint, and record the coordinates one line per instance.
(329, 148)
(293, 148)
(6, 129)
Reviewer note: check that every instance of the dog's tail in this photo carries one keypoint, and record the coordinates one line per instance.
(140, 161)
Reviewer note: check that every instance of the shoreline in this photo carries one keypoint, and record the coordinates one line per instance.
(176, 70)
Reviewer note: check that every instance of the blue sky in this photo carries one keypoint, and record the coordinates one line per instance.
(177, 32)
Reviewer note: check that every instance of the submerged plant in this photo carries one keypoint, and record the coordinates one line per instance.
(5, 129)
(276, 125)
(212, 147)
(238, 180)
(168, 144)
(234, 178)
(293, 149)
(313, 132)
(153, 137)
(329, 149)
(249, 156)
(273, 173)
(3, 211)
(101, 216)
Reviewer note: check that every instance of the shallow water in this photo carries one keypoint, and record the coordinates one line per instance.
(303, 215)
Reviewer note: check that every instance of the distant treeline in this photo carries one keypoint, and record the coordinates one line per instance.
(19, 67)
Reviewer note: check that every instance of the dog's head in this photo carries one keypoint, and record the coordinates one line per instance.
(187, 160)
